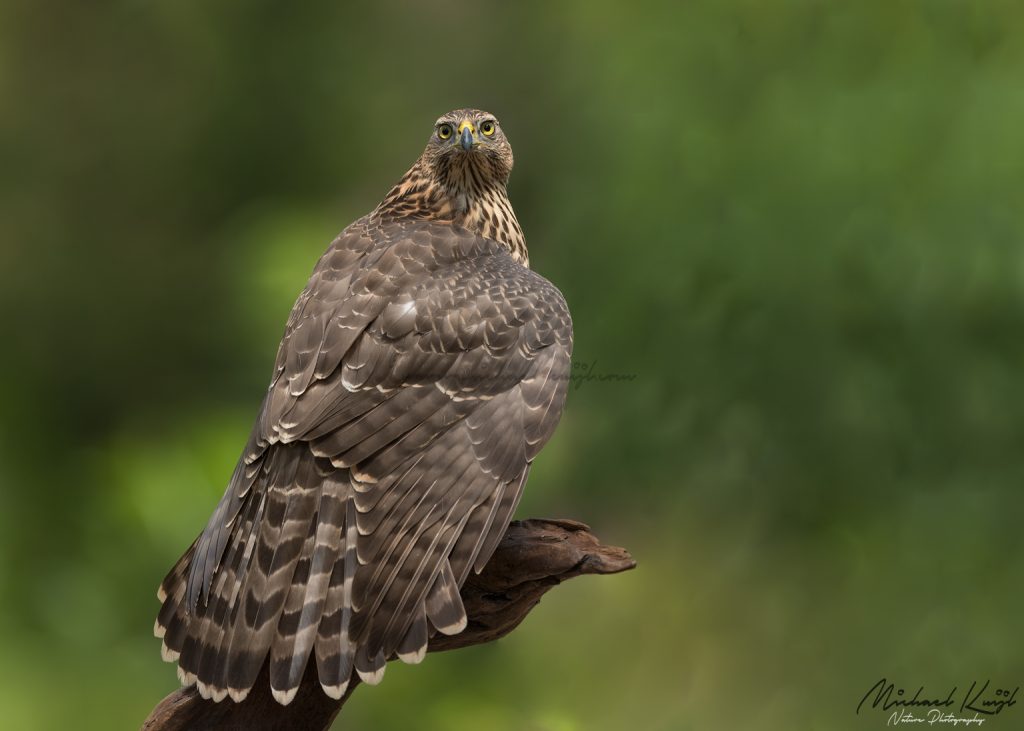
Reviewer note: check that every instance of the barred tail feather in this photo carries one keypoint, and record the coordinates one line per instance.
(292, 499)
(333, 649)
(171, 622)
(308, 594)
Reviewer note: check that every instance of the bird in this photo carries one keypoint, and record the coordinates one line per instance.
(421, 371)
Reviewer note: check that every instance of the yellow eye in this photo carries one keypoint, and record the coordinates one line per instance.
(487, 128)
(444, 131)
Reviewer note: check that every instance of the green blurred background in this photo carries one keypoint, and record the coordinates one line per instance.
(798, 225)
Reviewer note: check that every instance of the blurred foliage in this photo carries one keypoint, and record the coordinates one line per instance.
(797, 224)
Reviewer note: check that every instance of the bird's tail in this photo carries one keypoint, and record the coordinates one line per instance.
(172, 622)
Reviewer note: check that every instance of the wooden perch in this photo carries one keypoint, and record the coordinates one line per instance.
(534, 556)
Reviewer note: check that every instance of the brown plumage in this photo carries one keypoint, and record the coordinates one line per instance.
(422, 369)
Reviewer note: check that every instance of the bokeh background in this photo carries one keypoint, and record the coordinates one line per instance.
(795, 228)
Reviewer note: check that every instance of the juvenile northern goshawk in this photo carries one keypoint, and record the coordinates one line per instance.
(421, 371)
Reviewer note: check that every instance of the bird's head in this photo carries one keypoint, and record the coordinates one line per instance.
(461, 178)
(468, 146)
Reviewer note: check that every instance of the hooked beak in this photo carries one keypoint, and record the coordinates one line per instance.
(466, 135)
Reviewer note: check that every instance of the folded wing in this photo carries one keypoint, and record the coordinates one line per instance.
(421, 372)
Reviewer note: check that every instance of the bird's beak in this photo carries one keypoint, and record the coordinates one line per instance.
(466, 135)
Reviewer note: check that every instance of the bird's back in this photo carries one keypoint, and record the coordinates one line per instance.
(421, 370)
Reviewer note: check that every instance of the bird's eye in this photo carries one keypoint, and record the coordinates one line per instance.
(444, 131)
(487, 128)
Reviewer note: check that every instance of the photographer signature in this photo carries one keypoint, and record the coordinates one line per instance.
(978, 700)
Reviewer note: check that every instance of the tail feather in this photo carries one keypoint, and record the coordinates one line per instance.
(308, 594)
(414, 644)
(443, 605)
(243, 549)
(292, 498)
(211, 618)
(333, 648)
(171, 623)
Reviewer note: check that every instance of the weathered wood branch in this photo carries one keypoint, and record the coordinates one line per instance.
(534, 556)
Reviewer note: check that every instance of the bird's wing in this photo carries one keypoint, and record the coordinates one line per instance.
(421, 372)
